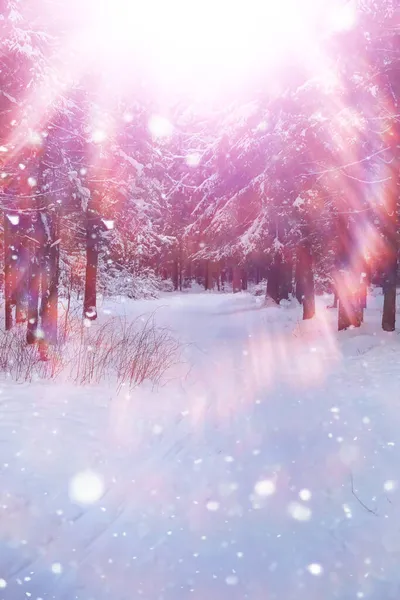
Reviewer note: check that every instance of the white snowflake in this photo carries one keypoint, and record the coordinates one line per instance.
(315, 569)
(86, 487)
(299, 512)
(57, 568)
(265, 487)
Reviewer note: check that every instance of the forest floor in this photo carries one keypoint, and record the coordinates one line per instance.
(268, 467)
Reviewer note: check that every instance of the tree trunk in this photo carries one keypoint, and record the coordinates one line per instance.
(90, 300)
(305, 292)
(175, 274)
(236, 280)
(274, 279)
(299, 292)
(244, 280)
(218, 276)
(389, 294)
(309, 292)
(49, 303)
(287, 277)
(335, 299)
(92, 260)
(8, 291)
(344, 320)
(21, 291)
(33, 296)
(350, 310)
(389, 227)
(223, 279)
(21, 268)
(207, 275)
(180, 266)
(365, 283)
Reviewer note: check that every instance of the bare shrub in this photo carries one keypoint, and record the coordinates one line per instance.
(118, 350)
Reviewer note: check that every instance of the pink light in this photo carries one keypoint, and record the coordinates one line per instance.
(160, 127)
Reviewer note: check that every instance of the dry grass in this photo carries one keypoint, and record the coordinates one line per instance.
(117, 350)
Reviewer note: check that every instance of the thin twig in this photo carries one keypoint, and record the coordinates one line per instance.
(373, 512)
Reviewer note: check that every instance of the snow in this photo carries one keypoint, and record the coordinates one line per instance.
(269, 461)
(132, 161)
(14, 219)
(298, 202)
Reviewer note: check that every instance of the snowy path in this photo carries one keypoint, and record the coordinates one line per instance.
(234, 482)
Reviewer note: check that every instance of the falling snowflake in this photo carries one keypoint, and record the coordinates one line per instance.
(305, 495)
(299, 512)
(3, 584)
(390, 485)
(56, 568)
(232, 580)
(212, 505)
(347, 511)
(265, 487)
(86, 487)
(315, 569)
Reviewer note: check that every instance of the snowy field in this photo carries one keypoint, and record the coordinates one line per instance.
(266, 468)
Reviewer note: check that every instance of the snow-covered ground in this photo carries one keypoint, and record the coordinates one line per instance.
(267, 467)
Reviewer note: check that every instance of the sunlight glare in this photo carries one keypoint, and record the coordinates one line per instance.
(160, 127)
(344, 18)
(211, 36)
(99, 136)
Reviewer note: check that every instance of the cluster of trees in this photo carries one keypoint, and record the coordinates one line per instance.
(295, 180)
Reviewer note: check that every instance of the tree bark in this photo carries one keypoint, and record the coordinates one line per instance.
(175, 274)
(350, 311)
(244, 279)
(287, 279)
(389, 294)
(180, 266)
(21, 291)
(344, 320)
(390, 257)
(20, 295)
(335, 299)
(236, 280)
(50, 276)
(8, 291)
(274, 279)
(305, 292)
(223, 279)
(92, 260)
(207, 275)
(33, 297)
(309, 290)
